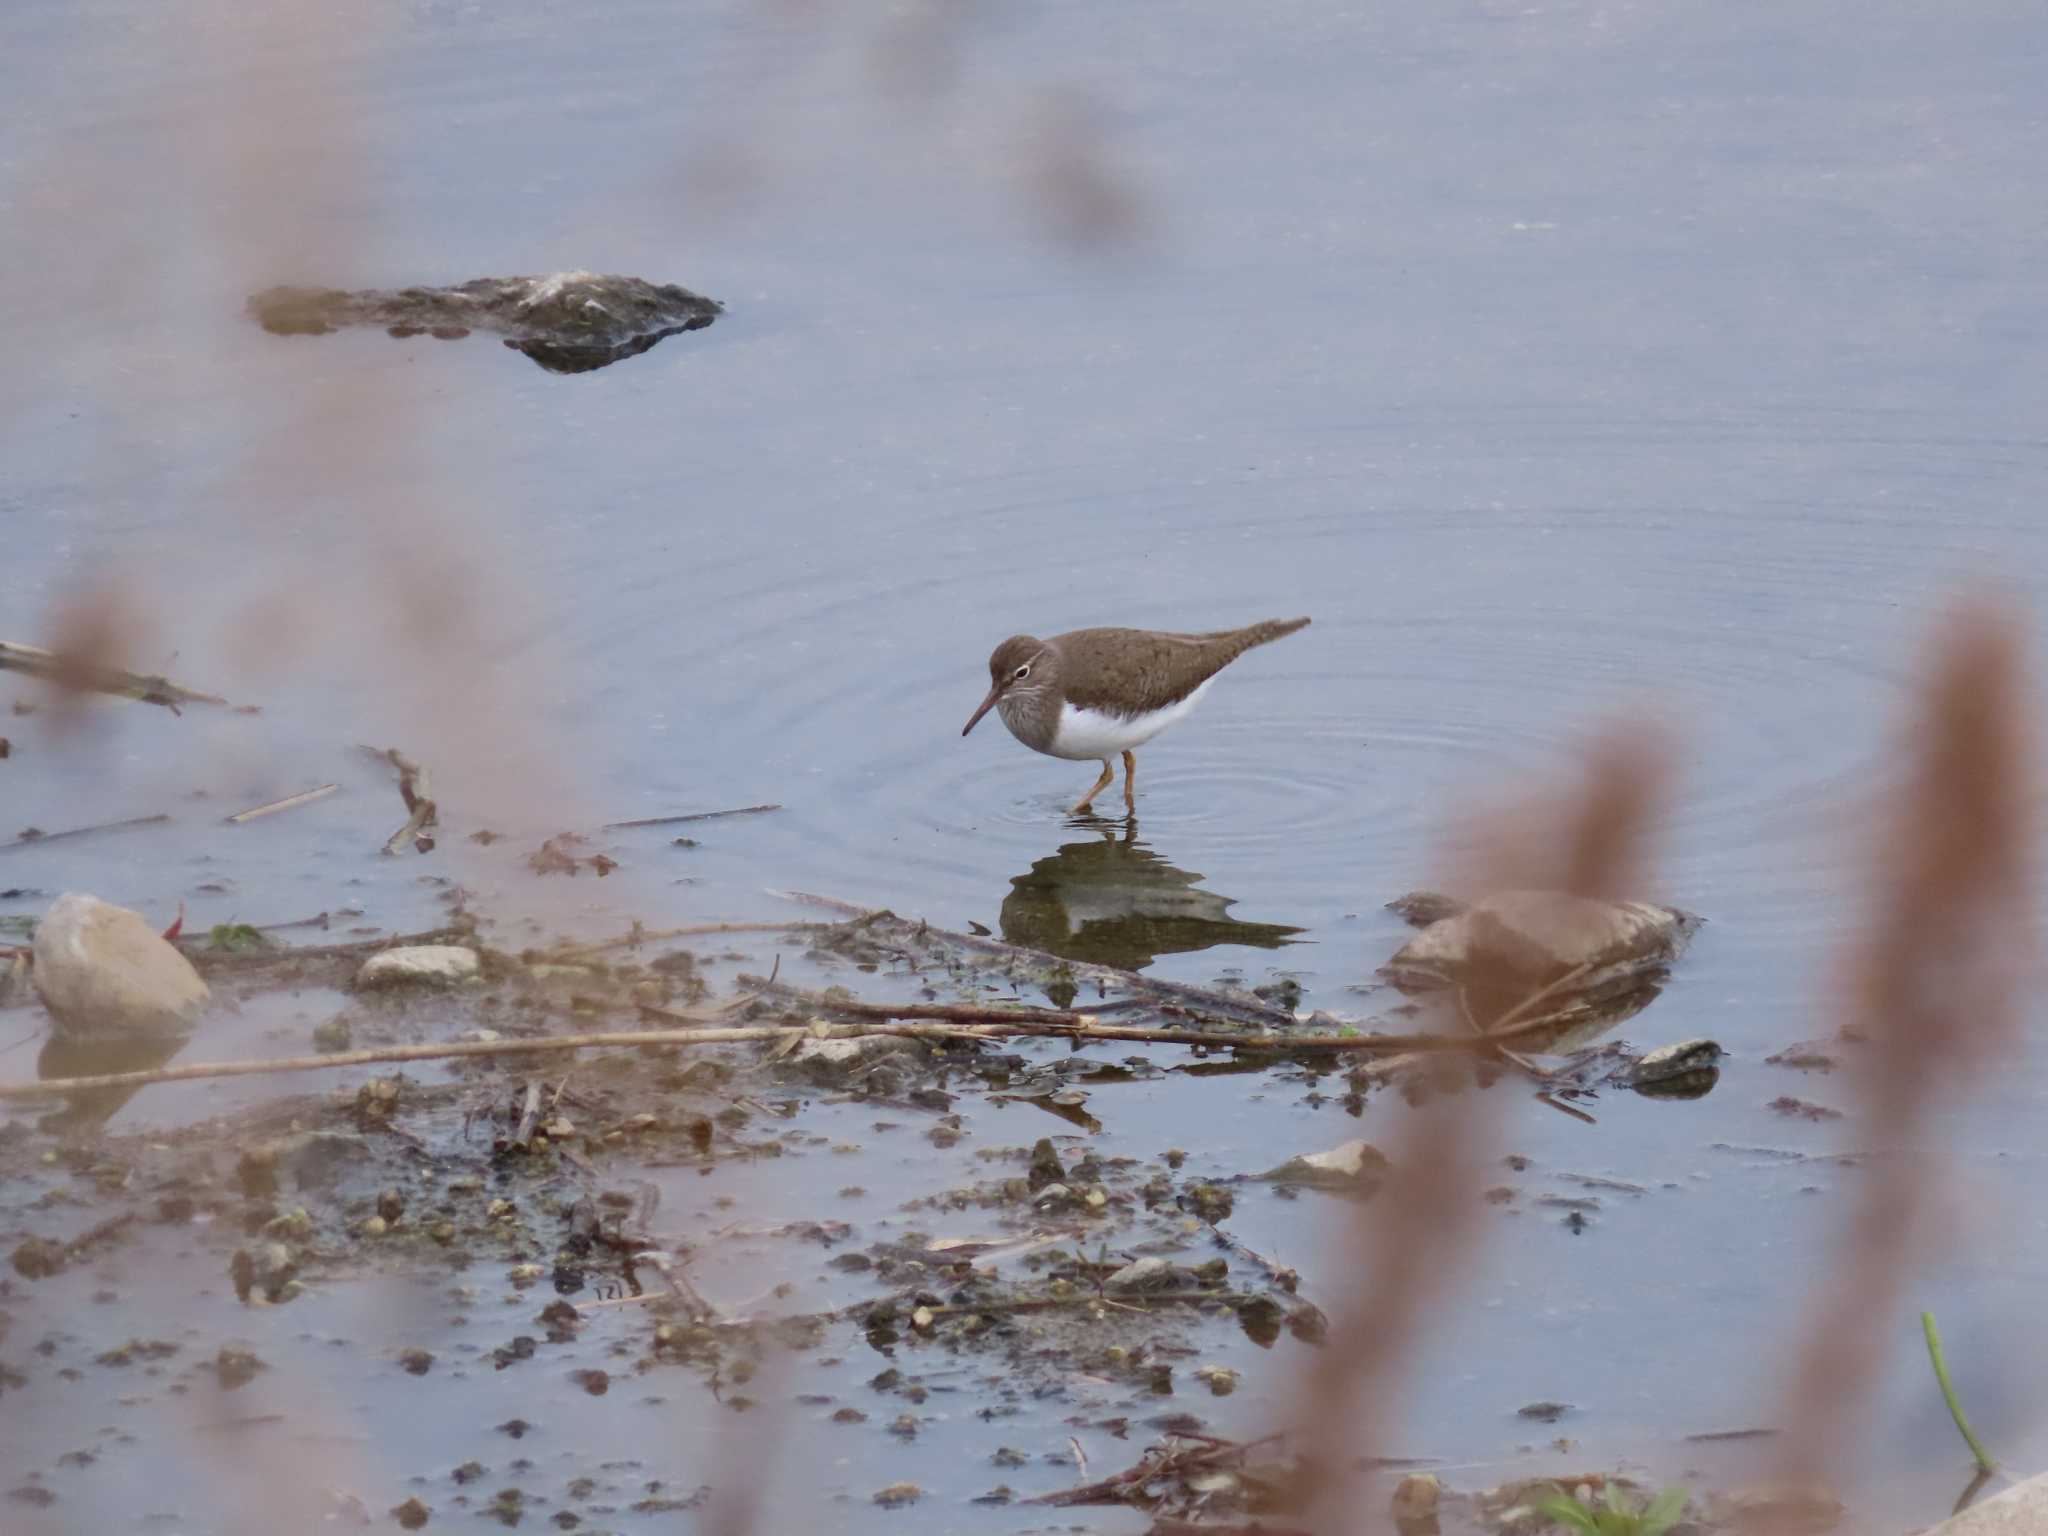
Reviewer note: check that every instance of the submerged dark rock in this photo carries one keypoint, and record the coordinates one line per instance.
(568, 322)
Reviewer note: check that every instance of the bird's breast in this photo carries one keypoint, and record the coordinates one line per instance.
(1093, 733)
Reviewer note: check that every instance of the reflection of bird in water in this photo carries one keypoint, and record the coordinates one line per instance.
(1113, 901)
(1603, 961)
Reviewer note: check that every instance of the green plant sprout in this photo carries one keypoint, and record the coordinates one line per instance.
(1948, 1393)
(1618, 1516)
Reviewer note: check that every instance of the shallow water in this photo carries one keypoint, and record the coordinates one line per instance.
(1556, 360)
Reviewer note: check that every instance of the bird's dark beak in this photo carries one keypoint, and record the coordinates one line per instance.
(987, 704)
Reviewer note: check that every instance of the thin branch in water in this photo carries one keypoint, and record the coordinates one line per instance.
(81, 674)
(677, 821)
(33, 837)
(1086, 1026)
(288, 803)
(641, 936)
(1008, 1028)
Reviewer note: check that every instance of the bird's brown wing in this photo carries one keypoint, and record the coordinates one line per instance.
(1136, 671)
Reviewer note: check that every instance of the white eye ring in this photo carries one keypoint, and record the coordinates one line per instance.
(1022, 672)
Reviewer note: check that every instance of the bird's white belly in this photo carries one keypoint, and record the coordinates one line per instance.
(1089, 733)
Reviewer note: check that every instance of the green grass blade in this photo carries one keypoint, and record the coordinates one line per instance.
(1948, 1392)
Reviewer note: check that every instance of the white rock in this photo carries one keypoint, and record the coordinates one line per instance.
(838, 1052)
(105, 973)
(1147, 1274)
(1352, 1163)
(428, 965)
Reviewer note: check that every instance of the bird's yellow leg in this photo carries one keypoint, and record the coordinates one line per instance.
(1130, 782)
(1108, 778)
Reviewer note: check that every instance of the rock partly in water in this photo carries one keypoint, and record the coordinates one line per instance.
(568, 322)
(1685, 1069)
(105, 974)
(1563, 968)
(1355, 1166)
(420, 965)
(1534, 937)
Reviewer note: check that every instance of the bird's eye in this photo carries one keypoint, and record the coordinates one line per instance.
(1022, 672)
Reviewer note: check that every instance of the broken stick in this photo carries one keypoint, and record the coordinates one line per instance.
(73, 672)
(35, 837)
(676, 821)
(1050, 1023)
(417, 789)
(288, 803)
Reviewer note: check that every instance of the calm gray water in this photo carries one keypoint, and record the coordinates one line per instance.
(1557, 359)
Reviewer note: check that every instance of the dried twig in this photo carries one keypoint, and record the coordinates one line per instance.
(529, 1117)
(75, 672)
(415, 785)
(199, 952)
(676, 821)
(32, 837)
(662, 935)
(545, 1045)
(288, 803)
(1087, 1026)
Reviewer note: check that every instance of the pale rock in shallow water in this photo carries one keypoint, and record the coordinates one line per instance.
(429, 965)
(1532, 937)
(105, 974)
(1349, 1165)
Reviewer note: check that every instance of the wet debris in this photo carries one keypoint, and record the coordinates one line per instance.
(420, 965)
(38, 1258)
(555, 857)
(1781, 1509)
(1413, 1506)
(568, 322)
(415, 787)
(1802, 1109)
(1807, 1056)
(268, 1273)
(236, 1367)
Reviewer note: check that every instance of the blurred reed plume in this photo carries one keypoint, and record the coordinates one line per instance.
(1932, 985)
(1407, 1250)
